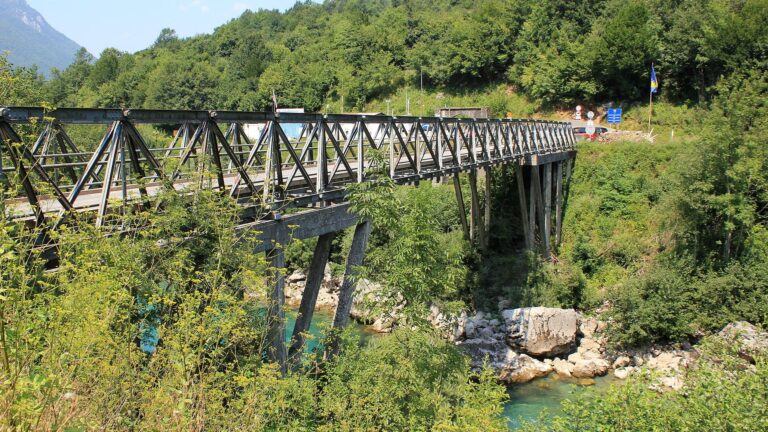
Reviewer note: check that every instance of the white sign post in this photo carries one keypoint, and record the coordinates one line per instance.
(590, 129)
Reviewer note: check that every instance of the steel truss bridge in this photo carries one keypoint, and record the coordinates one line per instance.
(97, 164)
(248, 155)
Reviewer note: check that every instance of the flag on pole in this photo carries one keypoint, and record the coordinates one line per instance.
(654, 81)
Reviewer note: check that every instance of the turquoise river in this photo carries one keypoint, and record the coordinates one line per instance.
(526, 401)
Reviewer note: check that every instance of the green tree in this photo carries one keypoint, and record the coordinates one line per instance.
(408, 381)
(726, 194)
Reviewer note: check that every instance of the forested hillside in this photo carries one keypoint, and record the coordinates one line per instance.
(666, 241)
(555, 52)
(30, 40)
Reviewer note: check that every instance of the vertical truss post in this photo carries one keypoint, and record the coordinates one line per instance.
(322, 160)
(440, 149)
(417, 153)
(360, 151)
(391, 129)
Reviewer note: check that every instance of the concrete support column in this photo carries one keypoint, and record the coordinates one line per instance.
(487, 219)
(347, 291)
(523, 206)
(539, 199)
(355, 259)
(462, 208)
(547, 195)
(309, 297)
(276, 350)
(533, 179)
(558, 203)
(476, 224)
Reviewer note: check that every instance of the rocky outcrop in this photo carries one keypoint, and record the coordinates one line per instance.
(367, 295)
(521, 368)
(328, 296)
(590, 368)
(541, 332)
(564, 368)
(482, 351)
(747, 338)
(513, 368)
(451, 326)
(572, 346)
(510, 344)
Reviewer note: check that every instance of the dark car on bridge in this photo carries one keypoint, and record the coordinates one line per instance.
(581, 132)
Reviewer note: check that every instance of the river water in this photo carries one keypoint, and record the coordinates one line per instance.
(526, 401)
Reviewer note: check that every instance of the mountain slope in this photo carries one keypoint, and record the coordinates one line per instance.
(30, 40)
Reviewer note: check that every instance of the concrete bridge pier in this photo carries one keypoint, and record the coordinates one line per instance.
(309, 297)
(543, 205)
(478, 227)
(346, 293)
(324, 223)
(276, 349)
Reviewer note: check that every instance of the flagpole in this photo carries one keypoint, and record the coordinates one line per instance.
(650, 104)
(650, 113)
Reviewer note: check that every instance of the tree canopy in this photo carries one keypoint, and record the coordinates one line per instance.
(554, 51)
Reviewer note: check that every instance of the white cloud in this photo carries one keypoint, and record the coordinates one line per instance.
(240, 6)
(194, 4)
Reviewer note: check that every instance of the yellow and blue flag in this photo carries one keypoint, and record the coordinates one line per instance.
(654, 81)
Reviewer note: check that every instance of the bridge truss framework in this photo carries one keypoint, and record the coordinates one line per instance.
(99, 163)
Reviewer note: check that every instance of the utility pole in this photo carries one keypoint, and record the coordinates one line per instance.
(421, 86)
(407, 103)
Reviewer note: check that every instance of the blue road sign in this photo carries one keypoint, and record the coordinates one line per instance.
(614, 115)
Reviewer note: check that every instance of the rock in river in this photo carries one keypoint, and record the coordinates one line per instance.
(541, 332)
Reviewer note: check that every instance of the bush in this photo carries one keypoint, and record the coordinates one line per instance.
(721, 394)
(409, 381)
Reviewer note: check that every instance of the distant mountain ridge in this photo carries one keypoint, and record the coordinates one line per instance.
(30, 40)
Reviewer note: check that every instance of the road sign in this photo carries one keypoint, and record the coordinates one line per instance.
(614, 115)
(590, 129)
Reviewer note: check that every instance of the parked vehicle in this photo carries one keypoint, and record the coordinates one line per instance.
(581, 133)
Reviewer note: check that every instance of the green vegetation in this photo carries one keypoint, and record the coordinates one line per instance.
(164, 329)
(723, 392)
(672, 236)
(668, 238)
(347, 56)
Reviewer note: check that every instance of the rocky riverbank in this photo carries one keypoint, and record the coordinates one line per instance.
(523, 344)
(529, 343)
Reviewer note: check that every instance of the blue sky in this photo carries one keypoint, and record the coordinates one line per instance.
(134, 25)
